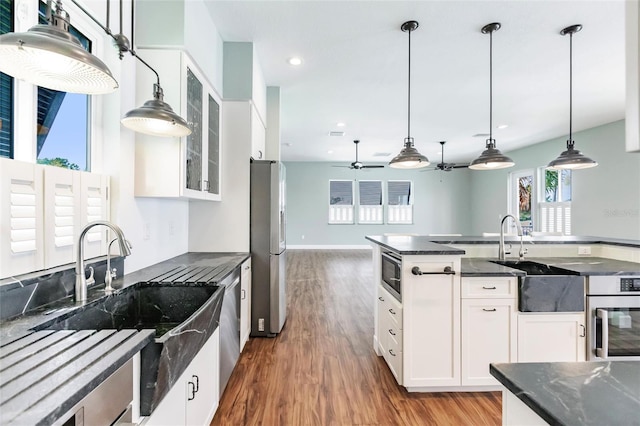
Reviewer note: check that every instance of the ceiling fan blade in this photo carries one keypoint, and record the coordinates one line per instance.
(345, 167)
(460, 166)
(372, 167)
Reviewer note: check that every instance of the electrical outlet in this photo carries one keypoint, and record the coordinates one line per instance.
(261, 324)
(584, 250)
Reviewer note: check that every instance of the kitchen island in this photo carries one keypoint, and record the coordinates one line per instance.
(573, 393)
(445, 329)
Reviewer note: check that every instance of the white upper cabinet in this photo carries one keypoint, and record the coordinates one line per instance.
(188, 167)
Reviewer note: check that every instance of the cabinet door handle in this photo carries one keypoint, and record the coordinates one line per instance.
(380, 298)
(197, 385)
(583, 331)
(447, 271)
(192, 389)
(489, 288)
(244, 294)
(392, 312)
(391, 332)
(206, 185)
(489, 310)
(246, 268)
(391, 352)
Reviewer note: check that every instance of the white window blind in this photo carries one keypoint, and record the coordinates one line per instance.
(555, 217)
(23, 216)
(370, 209)
(341, 201)
(400, 202)
(64, 211)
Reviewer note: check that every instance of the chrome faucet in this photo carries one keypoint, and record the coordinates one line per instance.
(501, 252)
(81, 279)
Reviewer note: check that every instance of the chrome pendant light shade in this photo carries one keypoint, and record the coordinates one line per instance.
(491, 158)
(409, 157)
(571, 159)
(156, 117)
(49, 56)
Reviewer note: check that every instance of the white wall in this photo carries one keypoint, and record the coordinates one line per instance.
(441, 201)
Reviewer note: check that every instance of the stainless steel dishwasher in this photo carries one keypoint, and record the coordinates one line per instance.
(229, 327)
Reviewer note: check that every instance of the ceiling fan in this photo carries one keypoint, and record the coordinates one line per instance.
(357, 165)
(447, 167)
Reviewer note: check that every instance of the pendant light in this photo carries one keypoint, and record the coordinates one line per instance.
(49, 56)
(571, 158)
(409, 157)
(491, 158)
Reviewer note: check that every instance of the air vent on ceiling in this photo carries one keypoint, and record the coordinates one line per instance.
(481, 135)
(381, 154)
(336, 133)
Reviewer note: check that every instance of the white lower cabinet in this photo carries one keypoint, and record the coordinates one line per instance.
(194, 398)
(245, 302)
(390, 331)
(488, 336)
(489, 326)
(552, 337)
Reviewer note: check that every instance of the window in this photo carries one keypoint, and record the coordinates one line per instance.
(400, 202)
(6, 88)
(63, 121)
(340, 201)
(370, 201)
(555, 202)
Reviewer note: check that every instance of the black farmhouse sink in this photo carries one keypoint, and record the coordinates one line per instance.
(183, 315)
(547, 288)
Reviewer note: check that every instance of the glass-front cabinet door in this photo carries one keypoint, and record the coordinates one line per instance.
(194, 140)
(213, 143)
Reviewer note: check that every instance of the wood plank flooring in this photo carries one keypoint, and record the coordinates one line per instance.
(322, 369)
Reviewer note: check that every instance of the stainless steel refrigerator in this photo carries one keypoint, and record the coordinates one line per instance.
(268, 248)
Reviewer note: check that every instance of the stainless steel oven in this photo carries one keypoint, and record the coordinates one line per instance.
(613, 309)
(391, 274)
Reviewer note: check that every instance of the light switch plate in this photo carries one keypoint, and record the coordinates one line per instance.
(584, 250)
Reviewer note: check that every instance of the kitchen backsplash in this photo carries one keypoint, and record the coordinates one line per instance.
(31, 291)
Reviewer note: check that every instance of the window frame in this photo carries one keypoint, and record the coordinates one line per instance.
(370, 210)
(407, 210)
(342, 209)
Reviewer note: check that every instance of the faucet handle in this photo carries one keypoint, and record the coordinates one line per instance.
(90, 280)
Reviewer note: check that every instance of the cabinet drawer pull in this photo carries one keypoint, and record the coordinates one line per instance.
(380, 298)
(391, 352)
(197, 385)
(244, 294)
(489, 288)
(489, 310)
(391, 332)
(192, 389)
(392, 312)
(447, 271)
(583, 331)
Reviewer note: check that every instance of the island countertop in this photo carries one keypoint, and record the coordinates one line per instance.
(413, 245)
(576, 393)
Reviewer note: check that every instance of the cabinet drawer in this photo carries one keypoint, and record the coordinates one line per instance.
(394, 313)
(393, 356)
(394, 335)
(489, 287)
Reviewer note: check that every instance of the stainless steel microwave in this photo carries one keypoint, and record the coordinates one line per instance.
(391, 267)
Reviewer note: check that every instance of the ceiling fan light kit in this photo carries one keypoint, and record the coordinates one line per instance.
(491, 158)
(571, 159)
(409, 157)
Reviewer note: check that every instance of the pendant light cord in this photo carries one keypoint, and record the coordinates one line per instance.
(409, 93)
(490, 141)
(570, 141)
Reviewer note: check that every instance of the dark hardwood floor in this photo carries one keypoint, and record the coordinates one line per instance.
(322, 369)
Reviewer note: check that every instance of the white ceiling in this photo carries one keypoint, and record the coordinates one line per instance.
(355, 71)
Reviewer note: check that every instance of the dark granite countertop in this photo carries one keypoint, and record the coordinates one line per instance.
(576, 393)
(46, 373)
(482, 267)
(585, 266)
(409, 245)
(535, 240)
(216, 267)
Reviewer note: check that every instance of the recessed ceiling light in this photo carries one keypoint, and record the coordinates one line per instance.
(295, 61)
(340, 124)
(503, 126)
(336, 133)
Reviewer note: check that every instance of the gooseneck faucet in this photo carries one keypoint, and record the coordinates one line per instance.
(81, 279)
(501, 244)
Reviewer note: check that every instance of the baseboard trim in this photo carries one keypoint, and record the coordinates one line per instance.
(329, 247)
